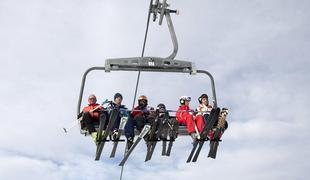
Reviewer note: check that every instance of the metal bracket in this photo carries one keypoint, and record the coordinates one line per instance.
(144, 131)
(123, 122)
(161, 8)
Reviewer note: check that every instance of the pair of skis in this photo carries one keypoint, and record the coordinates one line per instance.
(172, 131)
(220, 128)
(154, 136)
(102, 135)
(151, 140)
(144, 131)
(119, 133)
(212, 119)
(162, 134)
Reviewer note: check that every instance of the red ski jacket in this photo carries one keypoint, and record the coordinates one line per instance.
(137, 111)
(184, 117)
(91, 107)
(182, 114)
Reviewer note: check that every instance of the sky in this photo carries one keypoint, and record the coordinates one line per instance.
(257, 51)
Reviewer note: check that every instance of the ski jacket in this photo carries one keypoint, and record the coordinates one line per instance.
(182, 114)
(138, 111)
(184, 117)
(203, 109)
(94, 114)
(112, 105)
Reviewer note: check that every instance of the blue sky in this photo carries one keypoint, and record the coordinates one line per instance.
(257, 51)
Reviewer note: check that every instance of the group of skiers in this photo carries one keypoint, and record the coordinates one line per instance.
(142, 114)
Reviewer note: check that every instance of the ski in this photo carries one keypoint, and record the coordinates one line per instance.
(164, 136)
(163, 152)
(200, 143)
(217, 135)
(144, 131)
(102, 138)
(155, 135)
(205, 130)
(172, 136)
(169, 147)
(120, 131)
(100, 129)
(150, 138)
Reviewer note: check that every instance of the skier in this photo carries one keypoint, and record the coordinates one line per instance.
(91, 114)
(166, 127)
(161, 118)
(116, 104)
(140, 116)
(204, 108)
(184, 116)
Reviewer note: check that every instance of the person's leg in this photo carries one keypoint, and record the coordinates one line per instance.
(199, 122)
(116, 123)
(129, 132)
(205, 118)
(190, 124)
(89, 122)
(140, 122)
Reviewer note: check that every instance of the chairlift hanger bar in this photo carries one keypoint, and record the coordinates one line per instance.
(161, 8)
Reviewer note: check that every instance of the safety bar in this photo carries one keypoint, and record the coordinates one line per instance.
(143, 69)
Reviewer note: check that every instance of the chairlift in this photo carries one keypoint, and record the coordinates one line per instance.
(159, 10)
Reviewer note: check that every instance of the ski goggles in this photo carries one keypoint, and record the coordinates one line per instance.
(186, 98)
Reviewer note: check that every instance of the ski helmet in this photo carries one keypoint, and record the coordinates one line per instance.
(184, 98)
(142, 101)
(161, 106)
(201, 97)
(142, 97)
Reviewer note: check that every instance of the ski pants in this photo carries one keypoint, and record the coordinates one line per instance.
(90, 121)
(188, 120)
(138, 122)
(200, 122)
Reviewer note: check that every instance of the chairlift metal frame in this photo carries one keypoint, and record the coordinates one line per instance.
(152, 64)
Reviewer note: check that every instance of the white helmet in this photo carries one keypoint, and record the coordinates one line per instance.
(184, 98)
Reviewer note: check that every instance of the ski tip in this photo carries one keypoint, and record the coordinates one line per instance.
(121, 164)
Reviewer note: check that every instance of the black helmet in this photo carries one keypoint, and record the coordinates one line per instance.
(161, 106)
(201, 97)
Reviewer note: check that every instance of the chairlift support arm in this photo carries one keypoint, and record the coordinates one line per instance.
(161, 8)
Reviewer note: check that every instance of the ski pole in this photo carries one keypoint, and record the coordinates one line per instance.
(76, 122)
(72, 125)
(196, 129)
